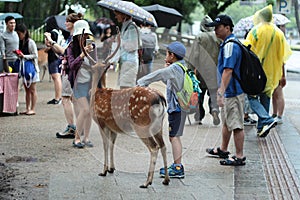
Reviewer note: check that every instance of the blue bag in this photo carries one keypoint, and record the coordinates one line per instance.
(27, 70)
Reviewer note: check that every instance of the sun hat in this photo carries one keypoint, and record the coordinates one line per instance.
(79, 26)
(221, 19)
(177, 48)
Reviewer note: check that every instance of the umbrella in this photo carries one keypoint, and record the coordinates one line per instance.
(245, 24)
(130, 9)
(57, 22)
(165, 17)
(15, 15)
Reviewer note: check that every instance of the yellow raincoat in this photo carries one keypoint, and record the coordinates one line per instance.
(270, 45)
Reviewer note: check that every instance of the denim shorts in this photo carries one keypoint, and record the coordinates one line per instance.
(176, 123)
(54, 67)
(82, 90)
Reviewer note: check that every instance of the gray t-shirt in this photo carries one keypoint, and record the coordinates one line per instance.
(9, 41)
(173, 77)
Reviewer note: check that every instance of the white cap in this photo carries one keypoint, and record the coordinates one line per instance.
(80, 25)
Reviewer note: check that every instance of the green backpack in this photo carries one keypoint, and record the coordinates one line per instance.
(189, 95)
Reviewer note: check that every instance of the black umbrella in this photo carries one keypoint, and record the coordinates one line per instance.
(165, 17)
(57, 22)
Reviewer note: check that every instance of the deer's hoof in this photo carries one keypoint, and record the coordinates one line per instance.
(166, 182)
(111, 170)
(102, 174)
(143, 186)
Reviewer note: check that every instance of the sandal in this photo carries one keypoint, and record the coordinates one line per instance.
(235, 162)
(220, 153)
(79, 145)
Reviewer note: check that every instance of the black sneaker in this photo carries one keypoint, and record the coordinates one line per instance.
(69, 133)
(54, 101)
(249, 121)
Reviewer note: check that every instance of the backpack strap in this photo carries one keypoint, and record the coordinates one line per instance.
(233, 73)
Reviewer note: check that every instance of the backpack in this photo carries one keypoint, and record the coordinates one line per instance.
(148, 46)
(189, 95)
(252, 76)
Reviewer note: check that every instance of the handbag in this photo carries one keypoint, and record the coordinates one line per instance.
(26, 70)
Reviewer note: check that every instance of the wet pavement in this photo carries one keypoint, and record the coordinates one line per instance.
(74, 174)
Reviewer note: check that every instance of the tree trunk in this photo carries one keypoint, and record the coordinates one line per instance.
(297, 14)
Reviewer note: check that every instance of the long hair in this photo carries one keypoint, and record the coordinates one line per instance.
(76, 50)
(23, 29)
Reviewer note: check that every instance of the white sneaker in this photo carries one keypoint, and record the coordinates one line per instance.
(279, 120)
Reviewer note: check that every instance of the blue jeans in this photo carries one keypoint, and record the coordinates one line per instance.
(260, 105)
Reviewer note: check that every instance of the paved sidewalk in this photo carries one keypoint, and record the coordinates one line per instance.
(73, 173)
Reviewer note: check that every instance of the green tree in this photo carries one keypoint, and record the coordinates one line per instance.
(213, 8)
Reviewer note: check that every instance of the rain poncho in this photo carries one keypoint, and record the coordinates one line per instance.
(270, 45)
(204, 54)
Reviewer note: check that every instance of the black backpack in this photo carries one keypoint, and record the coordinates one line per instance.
(253, 78)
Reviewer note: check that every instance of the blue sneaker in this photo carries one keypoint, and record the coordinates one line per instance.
(175, 171)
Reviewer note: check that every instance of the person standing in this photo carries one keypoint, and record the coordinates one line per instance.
(67, 92)
(54, 69)
(129, 61)
(80, 77)
(28, 53)
(173, 76)
(149, 47)
(9, 42)
(204, 58)
(278, 102)
(269, 44)
(230, 95)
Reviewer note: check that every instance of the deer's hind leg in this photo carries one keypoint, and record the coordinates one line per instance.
(153, 148)
(159, 139)
(112, 138)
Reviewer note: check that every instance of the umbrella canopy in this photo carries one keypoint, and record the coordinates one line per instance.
(165, 17)
(130, 9)
(57, 22)
(245, 24)
(15, 15)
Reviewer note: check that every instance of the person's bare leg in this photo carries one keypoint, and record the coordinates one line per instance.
(275, 102)
(57, 85)
(280, 101)
(33, 97)
(68, 110)
(27, 98)
(176, 149)
(225, 138)
(239, 135)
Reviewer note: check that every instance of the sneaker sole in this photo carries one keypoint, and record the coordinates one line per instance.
(69, 136)
(177, 176)
(266, 132)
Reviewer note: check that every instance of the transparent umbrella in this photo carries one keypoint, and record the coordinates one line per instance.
(245, 24)
(130, 9)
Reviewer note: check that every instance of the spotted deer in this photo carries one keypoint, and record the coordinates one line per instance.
(138, 109)
(43, 62)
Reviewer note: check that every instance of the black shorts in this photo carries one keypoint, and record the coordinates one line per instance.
(176, 123)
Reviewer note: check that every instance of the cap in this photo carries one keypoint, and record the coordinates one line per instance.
(177, 48)
(80, 25)
(221, 19)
